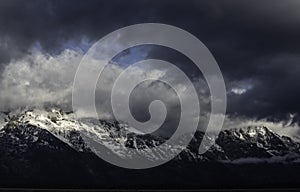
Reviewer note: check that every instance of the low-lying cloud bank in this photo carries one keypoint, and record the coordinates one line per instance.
(38, 79)
(287, 128)
(41, 79)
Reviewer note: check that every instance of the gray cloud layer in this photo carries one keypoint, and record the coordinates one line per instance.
(256, 44)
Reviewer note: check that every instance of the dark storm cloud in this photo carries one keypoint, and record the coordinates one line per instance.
(256, 44)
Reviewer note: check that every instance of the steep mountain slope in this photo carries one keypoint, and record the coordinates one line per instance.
(30, 154)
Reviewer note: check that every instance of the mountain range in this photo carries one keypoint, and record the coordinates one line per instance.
(45, 148)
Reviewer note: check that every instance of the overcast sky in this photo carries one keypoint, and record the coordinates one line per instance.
(256, 44)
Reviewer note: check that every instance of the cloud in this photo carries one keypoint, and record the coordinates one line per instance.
(255, 43)
(290, 157)
(238, 91)
(287, 128)
(39, 79)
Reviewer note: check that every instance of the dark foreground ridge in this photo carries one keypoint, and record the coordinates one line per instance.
(44, 149)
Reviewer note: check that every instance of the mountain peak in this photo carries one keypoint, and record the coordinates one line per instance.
(250, 141)
(252, 132)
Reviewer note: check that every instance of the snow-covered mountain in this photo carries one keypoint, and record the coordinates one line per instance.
(46, 148)
(235, 145)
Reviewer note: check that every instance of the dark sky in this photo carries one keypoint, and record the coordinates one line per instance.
(256, 43)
